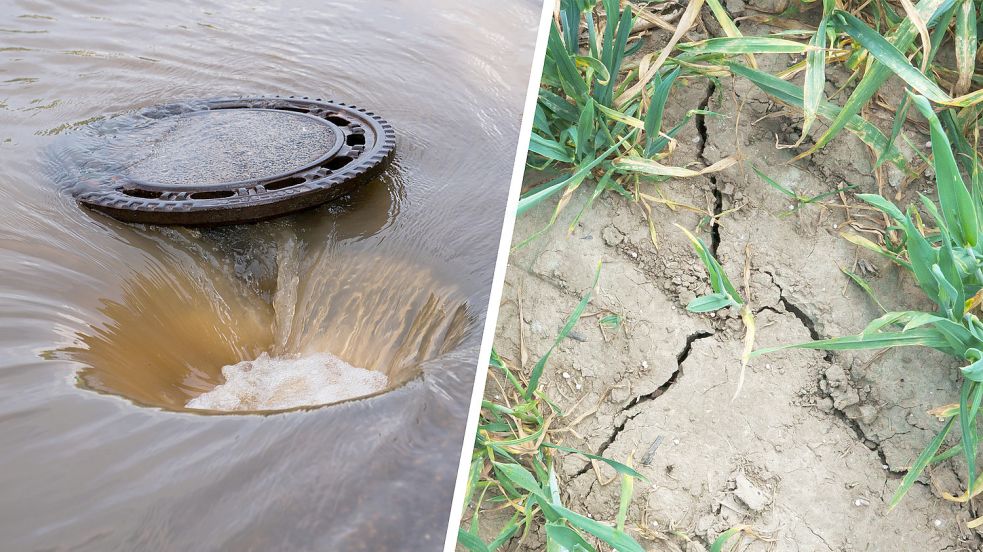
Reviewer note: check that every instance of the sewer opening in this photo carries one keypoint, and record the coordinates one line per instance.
(219, 194)
(146, 194)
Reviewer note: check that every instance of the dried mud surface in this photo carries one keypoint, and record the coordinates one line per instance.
(816, 443)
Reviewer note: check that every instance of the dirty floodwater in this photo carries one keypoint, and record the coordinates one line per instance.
(110, 330)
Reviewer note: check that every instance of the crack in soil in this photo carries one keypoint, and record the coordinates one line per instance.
(637, 401)
(680, 359)
(814, 334)
(718, 198)
(700, 119)
(718, 208)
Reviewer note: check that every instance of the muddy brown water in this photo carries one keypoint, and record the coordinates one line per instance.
(108, 329)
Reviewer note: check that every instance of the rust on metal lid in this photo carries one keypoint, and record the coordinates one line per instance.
(235, 160)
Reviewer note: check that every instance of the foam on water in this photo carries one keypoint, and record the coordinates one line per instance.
(276, 383)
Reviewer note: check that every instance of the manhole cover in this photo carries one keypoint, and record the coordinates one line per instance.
(237, 160)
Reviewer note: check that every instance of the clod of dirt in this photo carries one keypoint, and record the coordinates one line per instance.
(748, 493)
(612, 236)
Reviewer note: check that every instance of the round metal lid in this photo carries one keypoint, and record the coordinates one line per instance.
(236, 160)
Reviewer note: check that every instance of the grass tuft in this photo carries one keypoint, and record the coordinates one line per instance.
(513, 465)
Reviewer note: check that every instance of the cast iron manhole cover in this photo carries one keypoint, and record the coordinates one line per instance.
(237, 160)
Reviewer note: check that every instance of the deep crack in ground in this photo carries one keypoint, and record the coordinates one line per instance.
(641, 399)
(718, 198)
(814, 334)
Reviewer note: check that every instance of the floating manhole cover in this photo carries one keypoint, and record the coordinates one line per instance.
(235, 160)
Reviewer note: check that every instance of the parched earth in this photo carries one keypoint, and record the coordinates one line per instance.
(811, 450)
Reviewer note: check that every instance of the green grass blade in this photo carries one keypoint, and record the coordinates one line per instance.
(721, 540)
(570, 22)
(824, 195)
(560, 538)
(968, 430)
(550, 149)
(570, 79)
(621, 117)
(718, 278)
(603, 184)
(884, 205)
(864, 285)
(722, 17)
(792, 95)
(815, 78)
(657, 106)
(774, 184)
(614, 48)
(618, 466)
(624, 501)
(564, 110)
(899, 119)
(525, 480)
(537, 370)
(618, 540)
(957, 204)
(520, 477)
(601, 74)
(923, 460)
(710, 303)
(471, 542)
(661, 142)
(745, 45)
(585, 132)
(534, 197)
(877, 74)
(889, 56)
(505, 534)
(973, 372)
(924, 337)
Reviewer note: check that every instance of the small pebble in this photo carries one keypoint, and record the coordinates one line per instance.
(566, 375)
(578, 386)
(675, 441)
(938, 523)
(645, 364)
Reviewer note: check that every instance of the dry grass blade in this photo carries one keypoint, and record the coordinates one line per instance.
(967, 45)
(652, 18)
(647, 166)
(689, 17)
(919, 23)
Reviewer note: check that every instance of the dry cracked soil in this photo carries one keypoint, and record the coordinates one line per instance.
(812, 449)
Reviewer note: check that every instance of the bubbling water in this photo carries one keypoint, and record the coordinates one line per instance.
(279, 383)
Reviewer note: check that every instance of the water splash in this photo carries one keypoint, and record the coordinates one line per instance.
(277, 383)
(285, 296)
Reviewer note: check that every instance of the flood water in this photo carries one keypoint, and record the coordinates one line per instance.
(108, 331)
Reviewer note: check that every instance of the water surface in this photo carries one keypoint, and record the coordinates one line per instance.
(108, 330)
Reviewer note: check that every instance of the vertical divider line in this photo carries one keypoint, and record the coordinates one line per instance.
(498, 281)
